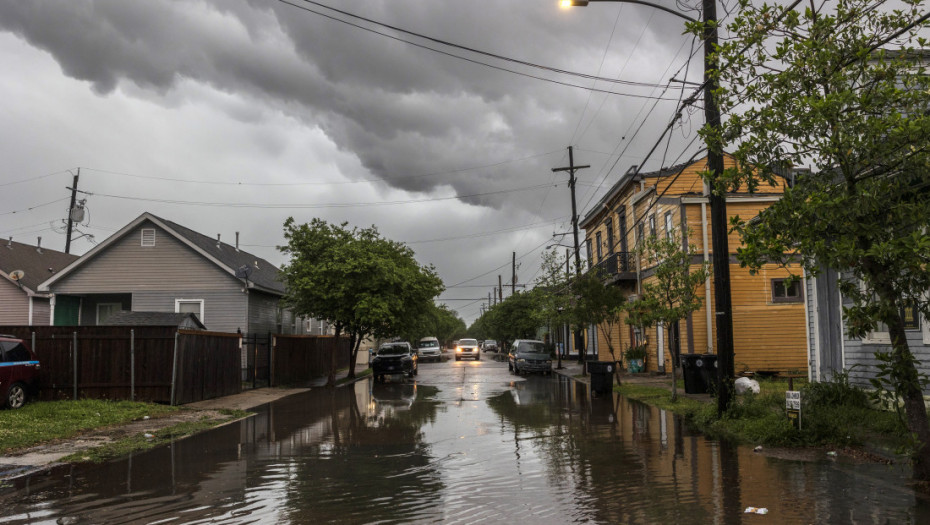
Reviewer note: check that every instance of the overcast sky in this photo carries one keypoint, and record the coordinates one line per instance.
(231, 115)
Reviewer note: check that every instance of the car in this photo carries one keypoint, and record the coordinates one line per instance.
(467, 348)
(19, 371)
(529, 355)
(394, 359)
(489, 345)
(428, 349)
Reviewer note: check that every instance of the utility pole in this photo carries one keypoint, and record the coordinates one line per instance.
(513, 279)
(500, 288)
(73, 188)
(571, 168)
(489, 300)
(718, 219)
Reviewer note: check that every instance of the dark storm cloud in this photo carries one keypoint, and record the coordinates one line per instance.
(403, 111)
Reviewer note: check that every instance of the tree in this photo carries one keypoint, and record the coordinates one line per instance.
(517, 317)
(364, 284)
(553, 287)
(599, 304)
(671, 294)
(820, 87)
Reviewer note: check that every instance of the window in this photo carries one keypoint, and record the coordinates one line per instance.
(600, 253)
(610, 237)
(668, 225)
(785, 292)
(148, 237)
(640, 233)
(587, 245)
(105, 310)
(652, 225)
(189, 306)
(12, 352)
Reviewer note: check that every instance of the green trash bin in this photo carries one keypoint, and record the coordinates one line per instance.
(602, 376)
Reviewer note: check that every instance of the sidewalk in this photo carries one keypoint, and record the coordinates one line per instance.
(571, 368)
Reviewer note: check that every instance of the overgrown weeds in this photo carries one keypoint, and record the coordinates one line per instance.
(834, 413)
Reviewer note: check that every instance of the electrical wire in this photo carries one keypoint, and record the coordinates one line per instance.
(337, 183)
(36, 206)
(478, 62)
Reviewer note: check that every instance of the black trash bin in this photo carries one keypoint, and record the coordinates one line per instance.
(602, 376)
(691, 371)
(708, 368)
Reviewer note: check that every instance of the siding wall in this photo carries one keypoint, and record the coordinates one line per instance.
(157, 275)
(14, 304)
(263, 311)
(768, 336)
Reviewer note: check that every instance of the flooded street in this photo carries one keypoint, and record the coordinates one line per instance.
(467, 442)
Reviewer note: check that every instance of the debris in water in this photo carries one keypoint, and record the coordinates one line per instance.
(757, 449)
(756, 510)
(148, 436)
(832, 454)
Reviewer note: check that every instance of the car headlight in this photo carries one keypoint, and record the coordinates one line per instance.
(521, 360)
(458, 349)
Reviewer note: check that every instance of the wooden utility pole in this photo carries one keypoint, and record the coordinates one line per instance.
(500, 288)
(571, 169)
(73, 188)
(513, 278)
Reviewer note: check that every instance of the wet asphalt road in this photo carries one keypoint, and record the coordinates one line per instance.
(465, 442)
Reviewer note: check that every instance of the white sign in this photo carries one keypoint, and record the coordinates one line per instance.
(793, 399)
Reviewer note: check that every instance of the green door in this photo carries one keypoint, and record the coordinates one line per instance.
(67, 310)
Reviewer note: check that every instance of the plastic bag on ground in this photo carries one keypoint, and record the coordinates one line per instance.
(744, 384)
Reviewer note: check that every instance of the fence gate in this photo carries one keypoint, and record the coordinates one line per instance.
(256, 360)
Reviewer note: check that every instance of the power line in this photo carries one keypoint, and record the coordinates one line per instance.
(313, 206)
(336, 183)
(478, 62)
(34, 207)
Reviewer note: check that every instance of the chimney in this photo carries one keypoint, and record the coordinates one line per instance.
(39, 245)
(217, 241)
(237, 241)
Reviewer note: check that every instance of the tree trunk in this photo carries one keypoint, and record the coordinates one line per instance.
(354, 341)
(905, 374)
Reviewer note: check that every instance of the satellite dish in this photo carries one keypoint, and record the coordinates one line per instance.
(17, 275)
(244, 271)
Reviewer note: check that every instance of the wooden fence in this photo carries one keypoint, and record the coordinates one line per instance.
(146, 363)
(297, 359)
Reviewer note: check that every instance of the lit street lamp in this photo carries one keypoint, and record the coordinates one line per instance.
(718, 204)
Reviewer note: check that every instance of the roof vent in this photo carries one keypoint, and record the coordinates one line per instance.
(39, 245)
(218, 246)
(256, 265)
(9, 244)
(237, 241)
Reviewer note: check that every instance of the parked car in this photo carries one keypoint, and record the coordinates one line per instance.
(527, 355)
(489, 345)
(394, 359)
(19, 371)
(429, 349)
(467, 348)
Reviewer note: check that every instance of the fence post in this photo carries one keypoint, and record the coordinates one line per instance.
(174, 368)
(33, 341)
(74, 346)
(271, 355)
(254, 338)
(132, 365)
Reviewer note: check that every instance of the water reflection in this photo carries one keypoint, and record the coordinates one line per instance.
(540, 450)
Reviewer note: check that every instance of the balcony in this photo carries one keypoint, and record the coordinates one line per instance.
(618, 266)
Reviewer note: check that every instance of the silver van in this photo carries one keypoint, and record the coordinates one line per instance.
(428, 349)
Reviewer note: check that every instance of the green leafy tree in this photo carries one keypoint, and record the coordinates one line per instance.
(517, 317)
(364, 284)
(599, 304)
(553, 287)
(671, 294)
(842, 86)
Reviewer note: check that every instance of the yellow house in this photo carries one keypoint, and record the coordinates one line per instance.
(769, 317)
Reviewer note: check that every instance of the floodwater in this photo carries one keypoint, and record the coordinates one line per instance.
(466, 442)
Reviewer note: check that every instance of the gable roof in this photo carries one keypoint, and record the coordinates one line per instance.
(37, 264)
(632, 175)
(263, 276)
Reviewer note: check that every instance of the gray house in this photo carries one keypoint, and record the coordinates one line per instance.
(155, 265)
(830, 349)
(22, 268)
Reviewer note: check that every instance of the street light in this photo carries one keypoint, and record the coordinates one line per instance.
(718, 203)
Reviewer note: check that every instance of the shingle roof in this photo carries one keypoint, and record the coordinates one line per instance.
(264, 274)
(37, 264)
(153, 319)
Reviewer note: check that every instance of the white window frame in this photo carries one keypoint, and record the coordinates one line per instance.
(148, 242)
(119, 307)
(177, 306)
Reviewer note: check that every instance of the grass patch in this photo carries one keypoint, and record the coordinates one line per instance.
(359, 375)
(834, 414)
(42, 421)
(143, 442)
